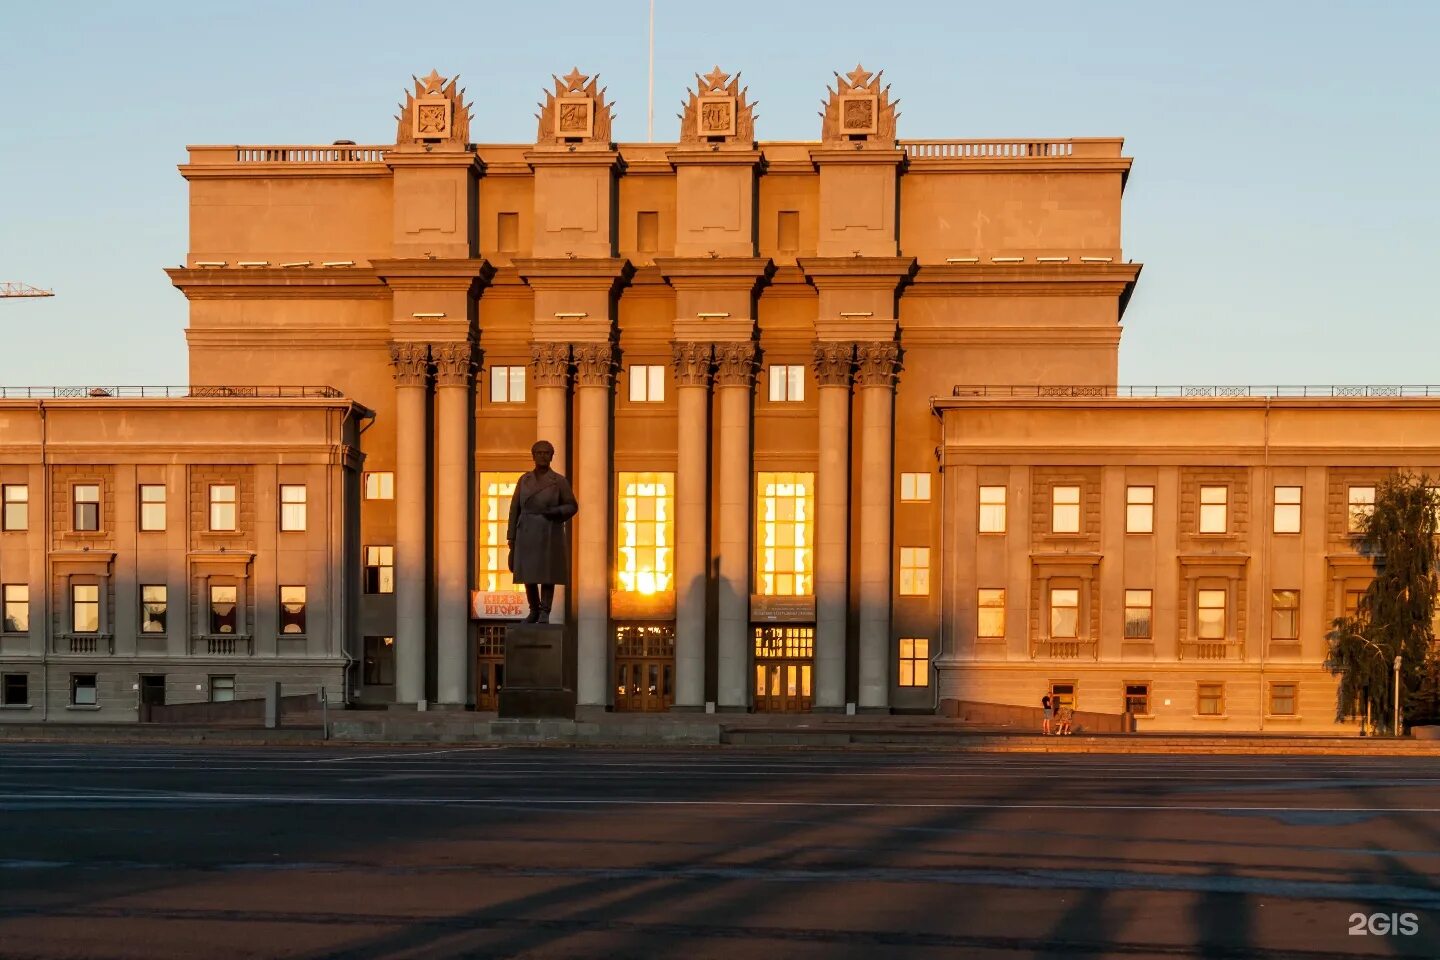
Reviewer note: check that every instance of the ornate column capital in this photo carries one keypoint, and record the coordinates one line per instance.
(834, 362)
(550, 364)
(410, 363)
(692, 362)
(594, 364)
(455, 362)
(735, 363)
(878, 363)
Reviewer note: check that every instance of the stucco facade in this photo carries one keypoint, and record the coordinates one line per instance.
(755, 360)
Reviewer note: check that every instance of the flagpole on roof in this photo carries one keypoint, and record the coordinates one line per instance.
(650, 102)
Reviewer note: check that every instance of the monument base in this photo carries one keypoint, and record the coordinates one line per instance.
(537, 683)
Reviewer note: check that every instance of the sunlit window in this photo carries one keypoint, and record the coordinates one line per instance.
(496, 489)
(914, 662)
(1210, 614)
(1214, 506)
(992, 509)
(1361, 508)
(784, 535)
(646, 534)
(914, 571)
(991, 603)
(1065, 510)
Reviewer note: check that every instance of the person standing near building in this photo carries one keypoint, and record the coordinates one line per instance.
(537, 535)
(1048, 711)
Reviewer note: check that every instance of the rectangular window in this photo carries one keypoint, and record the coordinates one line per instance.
(14, 507)
(222, 609)
(83, 692)
(1352, 603)
(222, 506)
(153, 602)
(496, 489)
(1137, 699)
(784, 514)
(1210, 614)
(1210, 699)
(380, 569)
(1213, 504)
(787, 232)
(1287, 510)
(914, 662)
(380, 486)
(1062, 695)
(647, 231)
(152, 506)
(222, 689)
(1361, 508)
(1284, 614)
(914, 571)
(379, 667)
(1064, 613)
(17, 607)
(1139, 605)
(914, 488)
(1065, 510)
(15, 690)
(1282, 699)
(292, 506)
(85, 608)
(1139, 509)
(507, 232)
(646, 532)
(647, 383)
(787, 383)
(507, 384)
(992, 509)
(991, 603)
(87, 507)
(292, 610)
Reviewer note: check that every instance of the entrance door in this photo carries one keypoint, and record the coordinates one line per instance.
(152, 689)
(489, 665)
(644, 667)
(784, 666)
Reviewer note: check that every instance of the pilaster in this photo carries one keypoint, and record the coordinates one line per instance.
(594, 377)
(410, 363)
(877, 364)
(455, 363)
(734, 387)
(833, 364)
(693, 363)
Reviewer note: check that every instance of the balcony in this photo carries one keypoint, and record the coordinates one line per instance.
(1212, 650)
(1069, 649)
(86, 644)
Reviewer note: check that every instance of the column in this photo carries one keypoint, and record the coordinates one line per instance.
(692, 490)
(454, 372)
(833, 369)
(411, 362)
(594, 376)
(550, 374)
(877, 369)
(734, 386)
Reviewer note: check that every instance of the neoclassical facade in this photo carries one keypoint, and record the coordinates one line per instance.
(842, 417)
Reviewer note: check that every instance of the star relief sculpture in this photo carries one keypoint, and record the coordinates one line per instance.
(575, 80)
(435, 112)
(717, 111)
(859, 112)
(574, 111)
(715, 80)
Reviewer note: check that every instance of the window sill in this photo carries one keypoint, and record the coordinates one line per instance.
(1282, 717)
(17, 706)
(82, 706)
(1209, 716)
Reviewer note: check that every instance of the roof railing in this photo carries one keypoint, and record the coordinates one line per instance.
(172, 393)
(1199, 391)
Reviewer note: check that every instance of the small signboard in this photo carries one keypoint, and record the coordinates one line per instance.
(782, 609)
(498, 605)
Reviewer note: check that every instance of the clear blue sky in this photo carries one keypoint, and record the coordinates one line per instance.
(1284, 198)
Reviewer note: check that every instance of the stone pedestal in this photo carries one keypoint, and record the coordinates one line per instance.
(536, 681)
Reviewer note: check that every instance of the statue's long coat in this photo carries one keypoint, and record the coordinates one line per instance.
(539, 546)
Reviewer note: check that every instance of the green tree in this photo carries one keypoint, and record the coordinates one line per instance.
(1394, 614)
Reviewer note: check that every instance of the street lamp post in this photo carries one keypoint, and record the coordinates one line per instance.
(1397, 695)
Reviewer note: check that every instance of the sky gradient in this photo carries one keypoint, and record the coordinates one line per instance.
(1284, 198)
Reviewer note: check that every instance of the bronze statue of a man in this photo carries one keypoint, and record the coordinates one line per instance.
(539, 546)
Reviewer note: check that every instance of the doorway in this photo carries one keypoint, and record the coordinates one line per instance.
(489, 665)
(644, 667)
(784, 665)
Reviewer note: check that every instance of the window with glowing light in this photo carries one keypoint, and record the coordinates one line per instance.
(646, 535)
(496, 489)
(784, 541)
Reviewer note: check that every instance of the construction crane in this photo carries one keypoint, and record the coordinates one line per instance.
(14, 288)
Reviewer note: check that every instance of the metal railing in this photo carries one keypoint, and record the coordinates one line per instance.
(170, 393)
(1090, 391)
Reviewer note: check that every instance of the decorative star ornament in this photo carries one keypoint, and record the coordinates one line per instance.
(575, 80)
(717, 78)
(433, 82)
(859, 77)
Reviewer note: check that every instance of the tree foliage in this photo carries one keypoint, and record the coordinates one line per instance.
(1394, 614)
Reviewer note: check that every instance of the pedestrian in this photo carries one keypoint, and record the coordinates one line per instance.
(1049, 712)
(1067, 714)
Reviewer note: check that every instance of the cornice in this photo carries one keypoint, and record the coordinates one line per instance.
(695, 273)
(437, 274)
(919, 166)
(278, 283)
(270, 171)
(417, 156)
(713, 155)
(574, 273)
(867, 157)
(570, 156)
(855, 271)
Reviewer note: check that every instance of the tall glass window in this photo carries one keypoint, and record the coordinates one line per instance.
(496, 489)
(222, 506)
(292, 610)
(1361, 508)
(222, 609)
(1210, 614)
(1138, 609)
(1214, 504)
(16, 598)
(1287, 509)
(87, 507)
(153, 603)
(1139, 509)
(645, 537)
(991, 601)
(1065, 510)
(784, 543)
(85, 608)
(1064, 613)
(992, 509)
(152, 506)
(15, 510)
(292, 506)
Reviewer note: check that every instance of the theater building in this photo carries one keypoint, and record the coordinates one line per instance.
(841, 415)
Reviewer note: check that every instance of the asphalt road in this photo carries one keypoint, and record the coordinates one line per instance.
(146, 852)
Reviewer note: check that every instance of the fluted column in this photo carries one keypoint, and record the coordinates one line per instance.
(877, 364)
(550, 374)
(594, 376)
(411, 366)
(734, 387)
(692, 490)
(454, 376)
(833, 371)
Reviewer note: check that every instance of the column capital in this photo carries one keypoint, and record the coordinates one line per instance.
(692, 362)
(455, 362)
(410, 363)
(594, 364)
(550, 363)
(834, 362)
(735, 364)
(878, 363)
